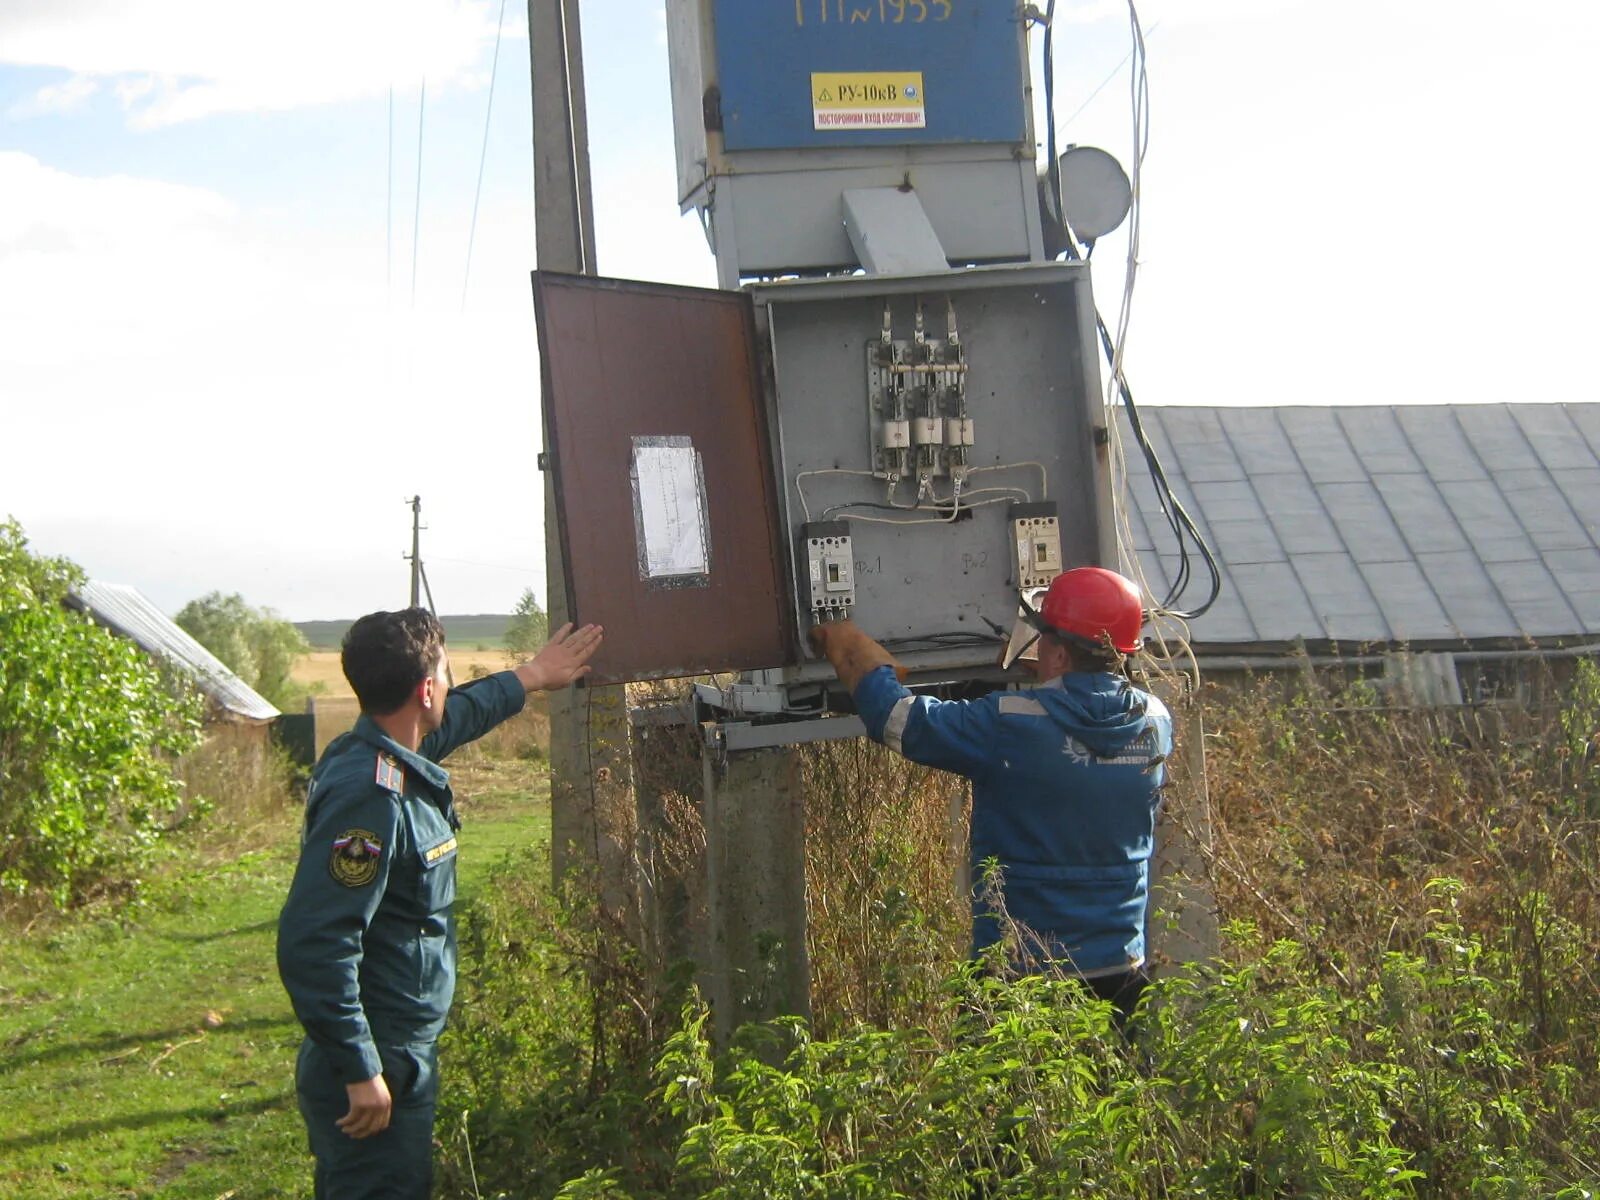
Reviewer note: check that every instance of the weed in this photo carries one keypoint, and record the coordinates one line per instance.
(1404, 1007)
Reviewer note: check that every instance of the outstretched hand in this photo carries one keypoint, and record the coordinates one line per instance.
(562, 660)
(852, 653)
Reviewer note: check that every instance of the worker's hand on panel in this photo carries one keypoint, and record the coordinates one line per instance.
(851, 652)
(562, 660)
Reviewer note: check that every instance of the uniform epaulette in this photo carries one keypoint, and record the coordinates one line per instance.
(391, 775)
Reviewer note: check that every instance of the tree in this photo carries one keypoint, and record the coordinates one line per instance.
(256, 644)
(88, 726)
(528, 629)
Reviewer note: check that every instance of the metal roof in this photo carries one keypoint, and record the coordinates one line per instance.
(127, 611)
(1419, 524)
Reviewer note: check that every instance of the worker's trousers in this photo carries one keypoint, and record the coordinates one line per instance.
(396, 1164)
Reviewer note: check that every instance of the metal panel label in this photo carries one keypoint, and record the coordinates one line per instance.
(669, 512)
(868, 100)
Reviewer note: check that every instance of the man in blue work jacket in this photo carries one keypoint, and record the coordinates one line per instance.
(366, 939)
(1066, 777)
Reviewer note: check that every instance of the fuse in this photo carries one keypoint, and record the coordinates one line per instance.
(896, 434)
(958, 431)
(928, 431)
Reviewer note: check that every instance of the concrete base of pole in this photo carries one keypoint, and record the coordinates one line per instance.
(755, 964)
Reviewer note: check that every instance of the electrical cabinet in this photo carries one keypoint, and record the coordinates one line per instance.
(953, 425)
(909, 452)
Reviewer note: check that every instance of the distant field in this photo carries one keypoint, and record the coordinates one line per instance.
(322, 666)
(466, 632)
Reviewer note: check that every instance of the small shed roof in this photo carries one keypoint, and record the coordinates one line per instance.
(127, 611)
(1418, 524)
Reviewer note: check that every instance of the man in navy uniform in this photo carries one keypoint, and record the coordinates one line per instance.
(1066, 777)
(366, 939)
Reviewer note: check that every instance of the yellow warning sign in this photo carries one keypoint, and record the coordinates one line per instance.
(868, 100)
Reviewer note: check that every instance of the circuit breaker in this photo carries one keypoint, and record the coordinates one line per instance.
(1036, 535)
(830, 569)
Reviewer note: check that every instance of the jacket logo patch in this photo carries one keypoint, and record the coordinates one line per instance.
(448, 846)
(355, 857)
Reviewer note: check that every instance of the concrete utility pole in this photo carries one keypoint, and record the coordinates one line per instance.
(416, 550)
(590, 797)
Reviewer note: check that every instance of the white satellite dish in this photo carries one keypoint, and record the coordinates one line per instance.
(1094, 190)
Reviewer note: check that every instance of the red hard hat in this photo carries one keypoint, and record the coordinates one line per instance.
(1093, 603)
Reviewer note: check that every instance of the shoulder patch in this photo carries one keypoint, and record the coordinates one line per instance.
(391, 775)
(355, 857)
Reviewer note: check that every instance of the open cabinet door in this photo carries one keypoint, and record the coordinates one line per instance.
(664, 494)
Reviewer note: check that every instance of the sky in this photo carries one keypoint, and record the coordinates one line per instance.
(238, 328)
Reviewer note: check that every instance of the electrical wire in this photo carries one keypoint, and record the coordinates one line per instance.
(955, 513)
(805, 507)
(801, 491)
(964, 640)
(416, 220)
(1104, 83)
(1053, 165)
(1044, 477)
(388, 211)
(1178, 519)
(468, 562)
(483, 155)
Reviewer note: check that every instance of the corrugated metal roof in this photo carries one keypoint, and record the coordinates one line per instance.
(1421, 524)
(126, 610)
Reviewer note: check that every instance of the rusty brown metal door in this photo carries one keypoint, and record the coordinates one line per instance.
(664, 492)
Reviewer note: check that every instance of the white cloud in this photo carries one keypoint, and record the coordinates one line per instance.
(56, 99)
(210, 402)
(181, 60)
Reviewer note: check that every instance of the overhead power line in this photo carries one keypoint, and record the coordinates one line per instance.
(416, 220)
(483, 156)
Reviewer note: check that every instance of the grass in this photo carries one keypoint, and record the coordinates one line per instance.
(321, 667)
(151, 1052)
(465, 630)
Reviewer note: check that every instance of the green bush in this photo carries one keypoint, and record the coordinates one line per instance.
(550, 1047)
(1247, 1080)
(256, 644)
(1405, 1006)
(87, 728)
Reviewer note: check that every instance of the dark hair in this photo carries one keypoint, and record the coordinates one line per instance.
(386, 654)
(1085, 655)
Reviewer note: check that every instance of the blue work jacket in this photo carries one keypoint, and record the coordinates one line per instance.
(1066, 781)
(366, 939)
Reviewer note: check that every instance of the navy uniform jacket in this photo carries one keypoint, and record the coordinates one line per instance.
(1066, 780)
(366, 939)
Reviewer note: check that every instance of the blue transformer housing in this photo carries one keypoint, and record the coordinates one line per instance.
(970, 54)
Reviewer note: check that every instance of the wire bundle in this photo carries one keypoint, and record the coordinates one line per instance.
(1183, 526)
